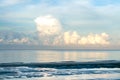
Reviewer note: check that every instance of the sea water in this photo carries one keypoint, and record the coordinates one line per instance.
(63, 73)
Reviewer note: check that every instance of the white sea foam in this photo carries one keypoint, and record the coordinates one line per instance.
(27, 73)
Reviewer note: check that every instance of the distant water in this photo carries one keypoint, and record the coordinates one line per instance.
(53, 73)
(56, 56)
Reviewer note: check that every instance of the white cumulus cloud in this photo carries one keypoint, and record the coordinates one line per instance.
(47, 25)
(50, 33)
(73, 38)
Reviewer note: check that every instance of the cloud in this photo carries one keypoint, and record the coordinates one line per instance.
(47, 25)
(95, 39)
(10, 2)
(10, 37)
(24, 40)
(19, 41)
(75, 14)
(73, 38)
(1, 40)
(51, 33)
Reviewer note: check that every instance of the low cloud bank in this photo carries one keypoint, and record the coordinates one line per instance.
(73, 38)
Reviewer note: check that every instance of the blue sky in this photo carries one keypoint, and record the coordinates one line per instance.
(84, 17)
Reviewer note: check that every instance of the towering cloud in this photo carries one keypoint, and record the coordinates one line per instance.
(50, 33)
(48, 25)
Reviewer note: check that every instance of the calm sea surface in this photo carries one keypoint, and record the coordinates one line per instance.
(56, 56)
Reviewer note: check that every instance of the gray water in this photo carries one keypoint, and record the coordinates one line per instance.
(56, 56)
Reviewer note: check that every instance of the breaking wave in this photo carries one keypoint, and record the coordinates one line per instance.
(65, 69)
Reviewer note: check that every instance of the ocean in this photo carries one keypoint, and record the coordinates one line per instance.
(59, 65)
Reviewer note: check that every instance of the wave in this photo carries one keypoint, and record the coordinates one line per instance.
(66, 70)
(67, 64)
(28, 72)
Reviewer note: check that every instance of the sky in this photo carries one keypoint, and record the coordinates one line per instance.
(61, 23)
